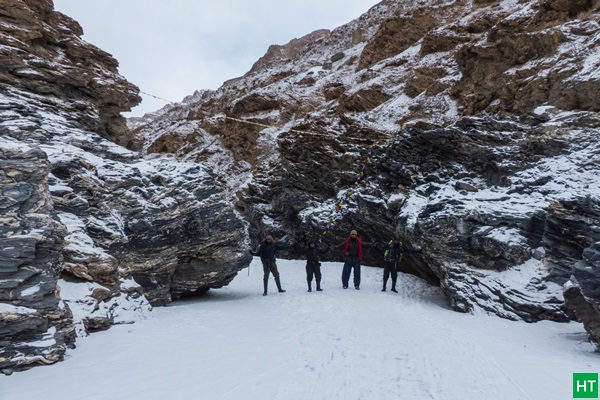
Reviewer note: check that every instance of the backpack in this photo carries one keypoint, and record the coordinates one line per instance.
(388, 249)
(390, 246)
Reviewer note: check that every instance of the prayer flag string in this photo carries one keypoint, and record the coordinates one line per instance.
(344, 199)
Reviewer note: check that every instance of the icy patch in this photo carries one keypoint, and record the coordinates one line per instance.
(47, 340)
(120, 309)
(10, 309)
(29, 72)
(268, 221)
(497, 292)
(8, 143)
(501, 234)
(541, 110)
(30, 291)
(318, 214)
(413, 206)
(590, 70)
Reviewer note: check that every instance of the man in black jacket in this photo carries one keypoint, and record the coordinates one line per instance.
(266, 252)
(313, 265)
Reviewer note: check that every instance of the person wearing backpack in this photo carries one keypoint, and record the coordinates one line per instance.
(266, 252)
(393, 254)
(353, 254)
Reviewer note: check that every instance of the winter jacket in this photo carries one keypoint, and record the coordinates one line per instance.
(353, 248)
(393, 253)
(267, 251)
(312, 254)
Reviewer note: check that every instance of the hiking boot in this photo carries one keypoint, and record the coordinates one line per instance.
(357, 287)
(383, 290)
(345, 287)
(278, 283)
(394, 290)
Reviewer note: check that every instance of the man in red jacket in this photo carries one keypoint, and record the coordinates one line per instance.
(353, 253)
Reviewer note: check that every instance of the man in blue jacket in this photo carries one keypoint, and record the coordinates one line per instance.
(266, 252)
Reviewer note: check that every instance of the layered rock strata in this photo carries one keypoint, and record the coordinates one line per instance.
(35, 328)
(91, 233)
(482, 118)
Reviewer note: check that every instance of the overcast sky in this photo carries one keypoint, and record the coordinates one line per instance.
(170, 49)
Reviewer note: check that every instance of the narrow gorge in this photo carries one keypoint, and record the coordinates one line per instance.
(474, 123)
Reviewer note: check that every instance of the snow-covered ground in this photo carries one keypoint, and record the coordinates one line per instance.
(233, 343)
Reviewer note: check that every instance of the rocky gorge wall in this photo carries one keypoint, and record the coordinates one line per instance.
(482, 121)
(92, 234)
(479, 120)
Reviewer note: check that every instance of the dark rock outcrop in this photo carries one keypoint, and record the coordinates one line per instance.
(80, 215)
(396, 35)
(34, 328)
(586, 310)
(478, 239)
(43, 54)
(482, 123)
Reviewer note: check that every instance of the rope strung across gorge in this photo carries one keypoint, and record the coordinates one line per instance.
(156, 97)
(344, 198)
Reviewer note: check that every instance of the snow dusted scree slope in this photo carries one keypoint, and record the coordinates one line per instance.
(483, 120)
(80, 216)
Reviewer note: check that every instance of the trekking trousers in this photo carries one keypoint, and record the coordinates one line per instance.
(313, 269)
(269, 266)
(348, 266)
(390, 268)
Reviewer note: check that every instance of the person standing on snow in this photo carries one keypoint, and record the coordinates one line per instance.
(313, 265)
(394, 251)
(353, 254)
(266, 252)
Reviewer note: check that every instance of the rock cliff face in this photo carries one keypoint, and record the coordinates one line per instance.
(468, 129)
(91, 233)
(42, 53)
(476, 123)
(31, 245)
